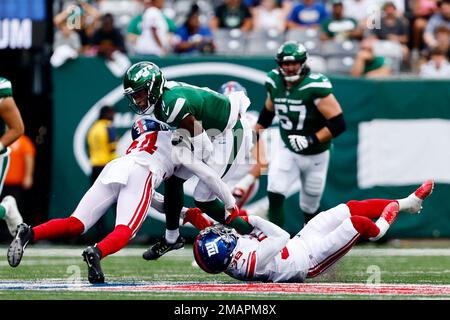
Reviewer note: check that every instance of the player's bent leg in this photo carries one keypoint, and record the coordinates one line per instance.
(115, 241)
(276, 208)
(371, 208)
(55, 228)
(386, 219)
(325, 222)
(327, 250)
(10, 213)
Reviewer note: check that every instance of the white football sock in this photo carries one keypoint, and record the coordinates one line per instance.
(383, 225)
(172, 236)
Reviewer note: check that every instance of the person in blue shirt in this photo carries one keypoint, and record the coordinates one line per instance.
(310, 13)
(192, 36)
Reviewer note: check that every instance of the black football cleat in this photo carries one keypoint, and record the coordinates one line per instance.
(15, 251)
(92, 256)
(162, 247)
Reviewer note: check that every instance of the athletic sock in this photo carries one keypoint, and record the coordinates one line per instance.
(56, 228)
(172, 235)
(365, 227)
(276, 208)
(371, 208)
(115, 241)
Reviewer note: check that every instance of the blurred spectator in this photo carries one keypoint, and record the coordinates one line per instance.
(192, 37)
(107, 38)
(66, 45)
(423, 10)
(20, 174)
(358, 10)
(338, 26)
(442, 36)
(442, 17)
(102, 143)
(155, 38)
(134, 29)
(269, 16)
(393, 27)
(310, 13)
(437, 67)
(81, 17)
(233, 14)
(368, 64)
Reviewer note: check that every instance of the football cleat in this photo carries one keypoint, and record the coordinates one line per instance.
(92, 256)
(12, 217)
(414, 200)
(24, 235)
(162, 247)
(390, 212)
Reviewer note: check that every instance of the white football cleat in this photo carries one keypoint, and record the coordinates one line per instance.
(12, 217)
(413, 203)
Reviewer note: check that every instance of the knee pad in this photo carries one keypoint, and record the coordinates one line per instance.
(313, 186)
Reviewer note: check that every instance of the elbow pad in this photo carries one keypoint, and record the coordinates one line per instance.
(336, 125)
(266, 117)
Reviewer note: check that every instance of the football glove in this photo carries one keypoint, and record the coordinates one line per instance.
(300, 143)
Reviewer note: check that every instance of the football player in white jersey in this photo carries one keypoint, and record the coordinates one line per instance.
(130, 181)
(268, 254)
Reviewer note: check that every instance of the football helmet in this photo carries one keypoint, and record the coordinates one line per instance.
(213, 248)
(292, 51)
(147, 124)
(143, 85)
(231, 86)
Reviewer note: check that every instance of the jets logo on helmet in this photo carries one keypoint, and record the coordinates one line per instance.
(143, 85)
(292, 52)
(214, 248)
(147, 124)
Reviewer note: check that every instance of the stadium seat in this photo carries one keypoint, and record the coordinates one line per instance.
(340, 49)
(302, 35)
(317, 64)
(340, 65)
(230, 42)
(263, 42)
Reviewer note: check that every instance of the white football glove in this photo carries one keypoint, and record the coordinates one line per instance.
(298, 143)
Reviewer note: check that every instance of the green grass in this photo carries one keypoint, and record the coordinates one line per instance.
(176, 267)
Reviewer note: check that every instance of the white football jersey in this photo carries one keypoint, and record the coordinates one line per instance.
(268, 255)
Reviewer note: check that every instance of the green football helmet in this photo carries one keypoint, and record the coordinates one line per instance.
(143, 85)
(292, 51)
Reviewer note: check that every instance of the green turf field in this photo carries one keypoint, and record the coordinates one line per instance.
(55, 272)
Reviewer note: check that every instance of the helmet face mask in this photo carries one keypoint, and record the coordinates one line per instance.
(214, 247)
(143, 86)
(291, 59)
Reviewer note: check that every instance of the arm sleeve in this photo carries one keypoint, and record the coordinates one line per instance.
(272, 245)
(206, 175)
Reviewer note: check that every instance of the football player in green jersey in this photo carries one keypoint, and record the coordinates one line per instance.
(213, 125)
(11, 128)
(309, 118)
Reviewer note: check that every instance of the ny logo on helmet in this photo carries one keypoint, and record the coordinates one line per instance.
(144, 72)
(211, 248)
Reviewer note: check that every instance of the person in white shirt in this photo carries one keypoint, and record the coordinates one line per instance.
(155, 36)
(437, 67)
(269, 254)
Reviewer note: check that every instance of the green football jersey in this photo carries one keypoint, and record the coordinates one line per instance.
(5, 91)
(180, 99)
(296, 108)
(5, 88)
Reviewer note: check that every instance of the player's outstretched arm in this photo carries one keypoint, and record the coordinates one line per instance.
(11, 115)
(272, 245)
(205, 174)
